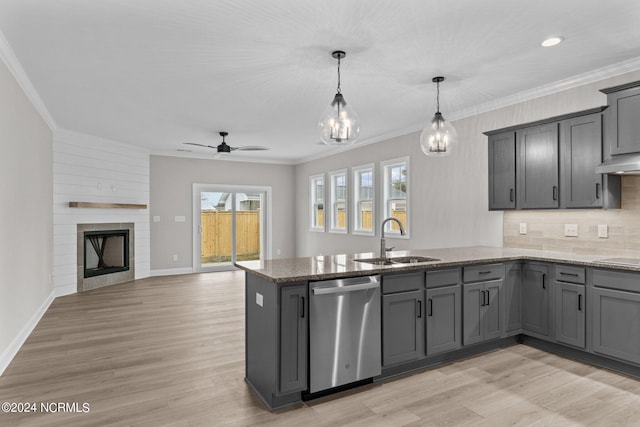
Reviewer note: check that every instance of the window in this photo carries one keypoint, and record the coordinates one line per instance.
(363, 199)
(338, 180)
(396, 194)
(317, 202)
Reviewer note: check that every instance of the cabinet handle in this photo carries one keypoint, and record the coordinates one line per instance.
(569, 274)
(419, 309)
(579, 302)
(555, 192)
(482, 303)
(544, 281)
(430, 301)
(302, 307)
(597, 190)
(488, 300)
(484, 272)
(511, 194)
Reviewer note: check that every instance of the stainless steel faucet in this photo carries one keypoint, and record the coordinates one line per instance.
(383, 244)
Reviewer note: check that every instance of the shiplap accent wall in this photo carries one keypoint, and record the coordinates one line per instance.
(92, 169)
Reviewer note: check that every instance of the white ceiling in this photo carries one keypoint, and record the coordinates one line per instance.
(156, 73)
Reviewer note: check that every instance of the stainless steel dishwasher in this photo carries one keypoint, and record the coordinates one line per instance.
(344, 331)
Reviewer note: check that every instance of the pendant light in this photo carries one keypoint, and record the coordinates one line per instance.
(440, 137)
(339, 124)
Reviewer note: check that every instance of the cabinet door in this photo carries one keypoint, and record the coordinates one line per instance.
(570, 313)
(472, 305)
(443, 319)
(537, 152)
(402, 327)
(512, 297)
(502, 171)
(293, 338)
(535, 298)
(492, 324)
(580, 153)
(622, 124)
(616, 324)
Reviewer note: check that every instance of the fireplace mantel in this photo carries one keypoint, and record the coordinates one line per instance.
(106, 205)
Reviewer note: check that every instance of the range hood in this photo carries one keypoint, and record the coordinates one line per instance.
(626, 164)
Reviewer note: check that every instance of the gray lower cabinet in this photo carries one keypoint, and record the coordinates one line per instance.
(537, 165)
(502, 171)
(616, 324)
(535, 298)
(443, 314)
(580, 153)
(570, 313)
(402, 327)
(512, 298)
(482, 311)
(293, 338)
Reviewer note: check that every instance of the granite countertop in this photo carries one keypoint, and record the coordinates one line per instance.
(287, 270)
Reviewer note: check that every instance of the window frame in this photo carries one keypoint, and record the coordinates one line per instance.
(313, 202)
(355, 175)
(333, 200)
(385, 171)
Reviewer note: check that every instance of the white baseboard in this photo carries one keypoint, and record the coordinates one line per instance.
(10, 352)
(171, 271)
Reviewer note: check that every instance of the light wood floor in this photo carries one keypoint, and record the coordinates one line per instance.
(170, 351)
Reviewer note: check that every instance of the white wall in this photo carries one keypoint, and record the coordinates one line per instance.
(25, 216)
(448, 196)
(88, 169)
(171, 195)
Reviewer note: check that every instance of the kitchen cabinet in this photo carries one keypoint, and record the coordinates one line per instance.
(482, 303)
(535, 299)
(580, 153)
(570, 313)
(402, 318)
(537, 165)
(502, 171)
(293, 338)
(622, 127)
(443, 311)
(512, 298)
(616, 314)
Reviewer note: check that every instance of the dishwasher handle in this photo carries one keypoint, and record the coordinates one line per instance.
(344, 289)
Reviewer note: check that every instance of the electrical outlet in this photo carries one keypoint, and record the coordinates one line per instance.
(603, 231)
(259, 299)
(571, 230)
(175, 257)
(523, 228)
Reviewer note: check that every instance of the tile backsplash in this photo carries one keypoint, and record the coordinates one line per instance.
(545, 228)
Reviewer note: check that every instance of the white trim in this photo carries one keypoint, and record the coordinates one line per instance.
(312, 199)
(355, 171)
(171, 272)
(266, 217)
(14, 66)
(385, 196)
(10, 352)
(332, 201)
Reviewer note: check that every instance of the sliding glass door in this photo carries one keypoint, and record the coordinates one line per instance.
(229, 225)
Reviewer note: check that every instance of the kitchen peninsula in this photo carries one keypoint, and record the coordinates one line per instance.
(464, 302)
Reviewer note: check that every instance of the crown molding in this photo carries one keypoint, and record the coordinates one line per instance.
(14, 66)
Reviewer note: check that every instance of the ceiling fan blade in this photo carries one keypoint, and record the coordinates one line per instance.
(200, 145)
(250, 148)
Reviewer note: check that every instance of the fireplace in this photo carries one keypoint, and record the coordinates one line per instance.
(105, 254)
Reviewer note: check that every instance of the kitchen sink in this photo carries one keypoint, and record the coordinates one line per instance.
(397, 260)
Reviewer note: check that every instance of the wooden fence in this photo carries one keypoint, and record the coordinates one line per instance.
(366, 219)
(217, 235)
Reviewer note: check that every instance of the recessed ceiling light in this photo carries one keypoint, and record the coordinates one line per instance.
(552, 41)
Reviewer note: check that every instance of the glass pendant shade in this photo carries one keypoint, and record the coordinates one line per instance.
(438, 139)
(339, 124)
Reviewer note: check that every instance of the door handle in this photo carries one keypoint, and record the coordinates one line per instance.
(544, 280)
(511, 194)
(597, 190)
(302, 307)
(555, 192)
(430, 301)
(419, 309)
(579, 302)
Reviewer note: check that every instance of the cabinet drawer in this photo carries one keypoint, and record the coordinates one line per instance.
(621, 280)
(478, 273)
(402, 282)
(436, 279)
(570, 274)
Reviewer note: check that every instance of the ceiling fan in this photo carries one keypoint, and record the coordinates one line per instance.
(224, 148)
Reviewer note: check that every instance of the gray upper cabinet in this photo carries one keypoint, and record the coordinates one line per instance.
(502, 171)
(622, 126)
(537, 157)
(580, 153)
(535, 299)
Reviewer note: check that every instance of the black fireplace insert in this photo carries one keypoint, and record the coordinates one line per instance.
(105, 252)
